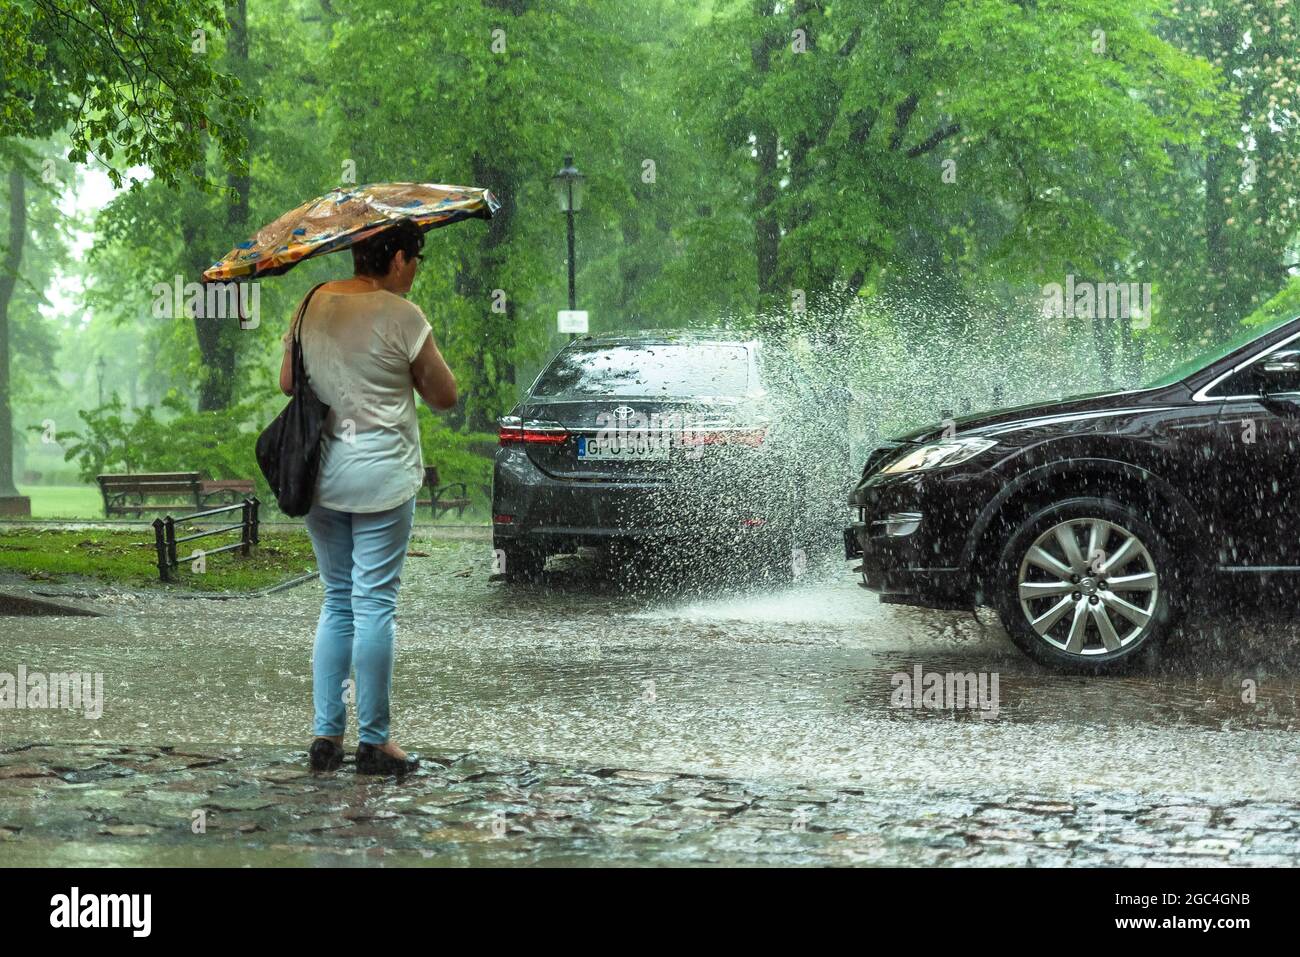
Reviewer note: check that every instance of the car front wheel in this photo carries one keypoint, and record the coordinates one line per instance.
(1084, 585)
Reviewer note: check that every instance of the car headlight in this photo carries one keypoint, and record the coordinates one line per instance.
(941, 453)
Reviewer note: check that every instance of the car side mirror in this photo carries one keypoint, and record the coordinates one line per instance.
(1278, 373)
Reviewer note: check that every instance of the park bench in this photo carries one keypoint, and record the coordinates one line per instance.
(125, 494)
(131, 494)
(441, 498)
(226, 491)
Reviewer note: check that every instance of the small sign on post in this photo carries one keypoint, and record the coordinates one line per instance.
(573, 321)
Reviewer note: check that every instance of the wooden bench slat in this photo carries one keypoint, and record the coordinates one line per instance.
(151, 483)
(143, 508)
(151, 477)
(160, 488)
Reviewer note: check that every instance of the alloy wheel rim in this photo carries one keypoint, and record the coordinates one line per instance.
(1088, 587)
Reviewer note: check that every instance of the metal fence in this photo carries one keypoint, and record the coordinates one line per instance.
(165, 540)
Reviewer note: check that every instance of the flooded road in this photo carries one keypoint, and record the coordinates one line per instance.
(780, 688)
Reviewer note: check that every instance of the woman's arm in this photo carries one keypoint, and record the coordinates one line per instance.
(286, 370)
(432, 379)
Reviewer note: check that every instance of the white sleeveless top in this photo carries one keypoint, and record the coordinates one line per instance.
(357, 349)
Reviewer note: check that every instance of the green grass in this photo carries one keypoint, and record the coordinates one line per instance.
(64, 501)
(127, 558)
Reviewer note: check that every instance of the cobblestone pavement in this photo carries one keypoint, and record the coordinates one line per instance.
(92, 804)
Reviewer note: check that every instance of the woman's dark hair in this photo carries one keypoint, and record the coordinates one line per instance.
(373, 256)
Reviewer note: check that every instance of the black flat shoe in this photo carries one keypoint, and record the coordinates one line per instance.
(325, 755)
(370, 760)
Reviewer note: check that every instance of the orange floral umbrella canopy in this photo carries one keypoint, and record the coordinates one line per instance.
(345, 216)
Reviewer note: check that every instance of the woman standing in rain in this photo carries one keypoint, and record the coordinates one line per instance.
(365, 348)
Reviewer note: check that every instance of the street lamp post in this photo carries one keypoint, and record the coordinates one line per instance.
(568, 186)
(99, 368)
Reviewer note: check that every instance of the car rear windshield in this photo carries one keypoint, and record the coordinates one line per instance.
(673, 369)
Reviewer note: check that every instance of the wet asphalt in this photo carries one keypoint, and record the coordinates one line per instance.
(773, 691)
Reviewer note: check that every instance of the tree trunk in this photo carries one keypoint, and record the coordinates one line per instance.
(632, 270)
(489, 370)
(767, 233)
(241, 184)
(237, 54)
(218, 337)
(8, 280)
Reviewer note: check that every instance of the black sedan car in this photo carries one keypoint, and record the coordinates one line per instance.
(1089, 523)
(664, 439)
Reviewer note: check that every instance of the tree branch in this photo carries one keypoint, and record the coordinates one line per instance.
(848, 45)
(902, 117)
(935, 138)
(863, 122)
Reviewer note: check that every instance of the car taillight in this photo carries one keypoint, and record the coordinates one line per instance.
(515, 432)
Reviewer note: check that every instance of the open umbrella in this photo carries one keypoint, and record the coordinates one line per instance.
(345, 216)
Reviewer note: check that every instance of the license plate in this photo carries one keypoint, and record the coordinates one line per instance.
(626, 448)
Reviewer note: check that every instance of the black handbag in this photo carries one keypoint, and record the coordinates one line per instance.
(288, 450)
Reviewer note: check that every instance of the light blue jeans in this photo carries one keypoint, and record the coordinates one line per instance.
(360, 556)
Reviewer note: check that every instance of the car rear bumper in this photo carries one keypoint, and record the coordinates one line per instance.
(530, 507)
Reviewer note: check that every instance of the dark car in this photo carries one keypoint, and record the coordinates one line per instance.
(1090, 522)
(680, 439)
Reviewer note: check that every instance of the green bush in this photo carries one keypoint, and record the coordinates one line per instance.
(1285, 303)
(217, 445)
(460, 456)
(220, 445)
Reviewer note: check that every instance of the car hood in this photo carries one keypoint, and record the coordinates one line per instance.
(1005, 424)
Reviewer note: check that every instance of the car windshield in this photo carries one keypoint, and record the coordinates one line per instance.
(1213, 355)
(671, 369)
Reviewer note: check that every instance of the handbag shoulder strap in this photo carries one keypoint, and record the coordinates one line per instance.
(302, 312)
(299, 368)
